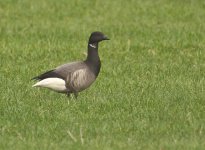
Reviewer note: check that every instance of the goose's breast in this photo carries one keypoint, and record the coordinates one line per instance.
(82, 79)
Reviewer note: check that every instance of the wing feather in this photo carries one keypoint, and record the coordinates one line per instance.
(61, 71)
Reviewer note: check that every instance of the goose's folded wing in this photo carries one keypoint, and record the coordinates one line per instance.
(61, 71)
(48, 74)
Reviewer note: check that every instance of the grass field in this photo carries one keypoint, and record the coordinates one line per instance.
(149, 94)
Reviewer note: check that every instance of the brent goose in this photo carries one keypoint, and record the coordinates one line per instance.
(75, 76)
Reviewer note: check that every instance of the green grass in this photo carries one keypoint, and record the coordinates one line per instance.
(149, 94)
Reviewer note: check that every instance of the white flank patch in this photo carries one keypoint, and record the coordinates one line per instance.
(55, 84)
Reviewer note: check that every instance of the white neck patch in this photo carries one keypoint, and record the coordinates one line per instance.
(92, 45)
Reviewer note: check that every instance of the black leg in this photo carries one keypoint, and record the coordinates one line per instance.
(75, 94)
(68, 95)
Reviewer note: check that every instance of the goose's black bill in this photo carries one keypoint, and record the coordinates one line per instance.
(106, 38)
(75, 76)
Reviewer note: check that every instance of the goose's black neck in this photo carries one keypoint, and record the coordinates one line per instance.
(93, 59)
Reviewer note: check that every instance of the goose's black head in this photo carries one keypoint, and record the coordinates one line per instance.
(96, 37)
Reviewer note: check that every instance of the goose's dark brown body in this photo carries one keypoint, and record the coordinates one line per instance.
(75, 76)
